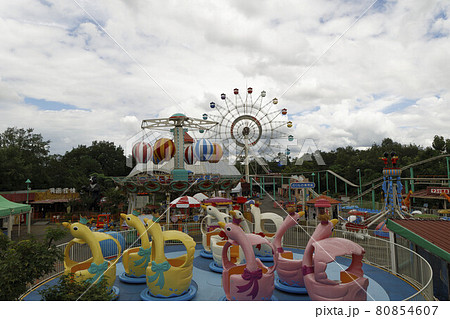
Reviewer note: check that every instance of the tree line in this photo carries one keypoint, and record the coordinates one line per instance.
(25, 154)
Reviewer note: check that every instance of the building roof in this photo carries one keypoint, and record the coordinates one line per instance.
(19, 196)
(431, 235)
(328, 198)
(423, 193)
(51, 201)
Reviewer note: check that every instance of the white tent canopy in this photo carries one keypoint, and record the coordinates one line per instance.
(200, 197)
(222, 168)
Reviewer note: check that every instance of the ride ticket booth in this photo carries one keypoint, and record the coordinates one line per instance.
(334, 209)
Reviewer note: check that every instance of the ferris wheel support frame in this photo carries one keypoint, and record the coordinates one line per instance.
(247, 168)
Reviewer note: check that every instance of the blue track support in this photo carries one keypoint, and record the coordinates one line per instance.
(399, 190)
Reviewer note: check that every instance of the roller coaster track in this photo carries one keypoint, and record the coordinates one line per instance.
(402, 169)
(377, 182)
(342, 178)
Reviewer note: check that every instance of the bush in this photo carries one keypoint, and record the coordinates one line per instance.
(22, 262)
(68, 289)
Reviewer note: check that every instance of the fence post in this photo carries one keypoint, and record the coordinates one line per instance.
(392, 252)
(274, 190)
(411, 171)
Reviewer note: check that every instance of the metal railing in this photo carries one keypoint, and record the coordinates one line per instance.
(408, 265)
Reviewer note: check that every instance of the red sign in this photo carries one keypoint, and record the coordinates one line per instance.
(438, 190)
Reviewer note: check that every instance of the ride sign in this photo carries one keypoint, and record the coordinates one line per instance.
(303, 185)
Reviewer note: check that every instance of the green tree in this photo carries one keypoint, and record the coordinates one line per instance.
(23, 156)
(22, 262)
(110, 157)
(115, 201)
(438, 143)
(101, 158)
(69, 289)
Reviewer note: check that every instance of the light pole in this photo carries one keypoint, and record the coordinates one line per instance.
(360, 190)
(28, 182)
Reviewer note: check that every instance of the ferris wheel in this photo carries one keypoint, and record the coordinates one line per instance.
(250, 127)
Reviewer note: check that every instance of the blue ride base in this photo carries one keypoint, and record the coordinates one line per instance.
(115, 292)
(216, 268)
(288, 288)
(146, 295)
(206, 254)
(264, 258)
(130, 279)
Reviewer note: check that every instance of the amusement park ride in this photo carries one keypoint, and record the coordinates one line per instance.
(392, 208)
(179, 124)
(250, 128)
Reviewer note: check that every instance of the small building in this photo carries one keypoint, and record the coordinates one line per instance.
(430, 239)
(431, 198)
(335, 204)
(45, 202)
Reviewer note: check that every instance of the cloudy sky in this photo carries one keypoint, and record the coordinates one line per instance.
(350, 72)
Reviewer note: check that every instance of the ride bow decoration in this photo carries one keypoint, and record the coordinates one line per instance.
(253, 278)
(145, 254)
(98, 270)
(159, 270)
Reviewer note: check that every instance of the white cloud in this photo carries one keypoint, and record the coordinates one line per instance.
(157, 60)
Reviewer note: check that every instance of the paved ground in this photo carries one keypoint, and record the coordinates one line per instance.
(38, 230)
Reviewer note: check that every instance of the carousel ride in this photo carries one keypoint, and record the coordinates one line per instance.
(166, 278)
(252, 280)
(235, 254)
(98, 267)
(227, 237)
(210, 228)
(264, 252)
(135, 259)
(169, 278)
(322, 250)
(289, 271)
(170, 166)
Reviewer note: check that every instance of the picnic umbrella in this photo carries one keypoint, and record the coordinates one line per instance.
(184, 202)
